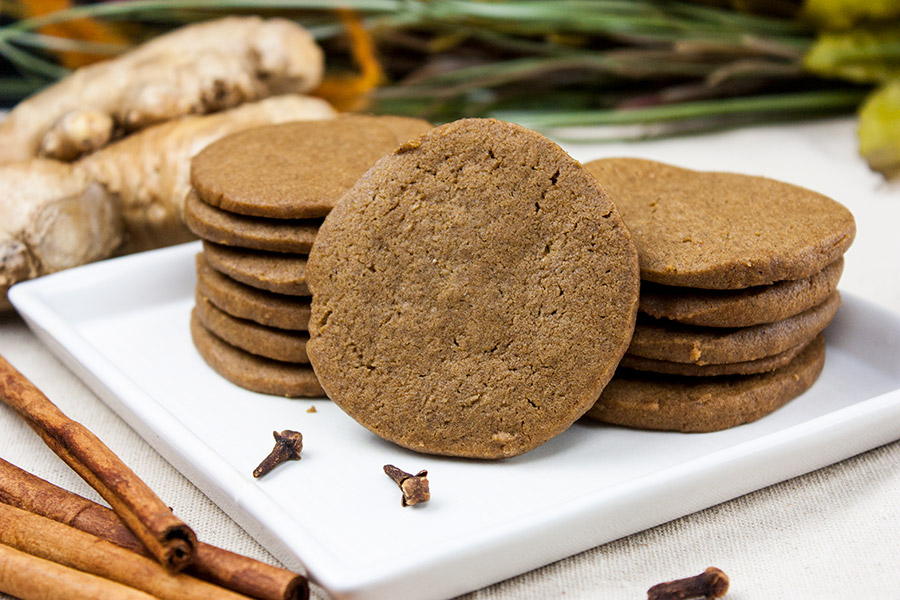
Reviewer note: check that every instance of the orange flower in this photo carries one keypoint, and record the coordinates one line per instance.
(350, 92)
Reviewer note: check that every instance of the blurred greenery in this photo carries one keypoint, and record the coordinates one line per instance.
(862, 55)
(613, 68)
(879, 129)
(832, 15)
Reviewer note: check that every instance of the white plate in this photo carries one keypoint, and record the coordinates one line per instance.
(122, 326)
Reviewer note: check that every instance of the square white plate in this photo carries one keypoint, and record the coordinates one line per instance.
(122, 326)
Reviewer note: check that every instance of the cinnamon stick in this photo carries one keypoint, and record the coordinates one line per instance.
(167, 538)
(238, 573)
(47, 539)
(29, 492)
(31, 578)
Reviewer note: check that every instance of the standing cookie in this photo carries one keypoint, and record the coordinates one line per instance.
(472, 294)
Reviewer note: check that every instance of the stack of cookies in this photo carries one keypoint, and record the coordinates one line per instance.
(739, 278)
(257, 202)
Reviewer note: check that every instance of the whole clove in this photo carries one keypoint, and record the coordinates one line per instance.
(711, 583)
(288, 445)
(414, 487)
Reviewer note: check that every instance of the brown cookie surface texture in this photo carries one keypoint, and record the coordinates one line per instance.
(723, 230)
(749, 367)
(232, 229)
(403, 128)
(472, 294)
(740, 308)
(275, 272)
(277, 344)
(239, 300)
(664, 340)
(252, 372)
(695, 404)
(292, 170)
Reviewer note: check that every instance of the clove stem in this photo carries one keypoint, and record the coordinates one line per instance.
(288, 445)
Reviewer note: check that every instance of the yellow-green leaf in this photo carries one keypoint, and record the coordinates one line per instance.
(879, 129)
(860, 55)
(843, 14)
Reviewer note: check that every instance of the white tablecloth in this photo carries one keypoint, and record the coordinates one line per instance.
(833, 533)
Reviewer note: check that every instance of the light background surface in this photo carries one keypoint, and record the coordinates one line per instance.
(820, 535)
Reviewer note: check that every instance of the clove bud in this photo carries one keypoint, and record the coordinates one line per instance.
(414, 487)
(288, 445)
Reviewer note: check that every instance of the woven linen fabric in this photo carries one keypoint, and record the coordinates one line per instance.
(817, 536)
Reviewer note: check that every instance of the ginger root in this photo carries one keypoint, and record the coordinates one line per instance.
(196, 69)
(53, 218)
(125, 197)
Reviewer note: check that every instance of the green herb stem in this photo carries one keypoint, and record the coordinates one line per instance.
(29, 63)
(640, 18)
(51, 42)
(820, 101)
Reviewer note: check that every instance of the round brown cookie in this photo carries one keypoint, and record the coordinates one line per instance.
(277, 344)
(701, 404)
(259, 233)
(239, 300)
(750, 367)
(472, 293)
(723, 230)
(675, 342)
(740, 308)
(292, 170)
(280, 273)
(253, 372)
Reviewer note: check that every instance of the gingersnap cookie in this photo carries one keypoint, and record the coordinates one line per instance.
(702, 404)
(292, 170)
(253, 372)
(749, 367)
(712, 345)
(723, 230)
(277, 344)
(275, 272)
(245, 302)
(740, 308)
(259, 233)
(472, 294)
